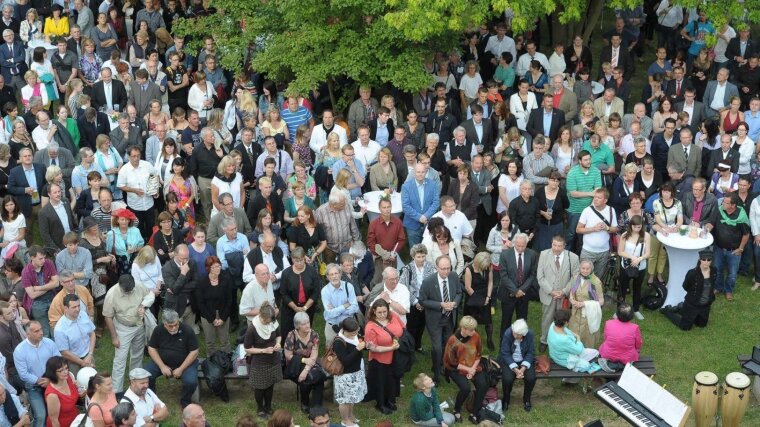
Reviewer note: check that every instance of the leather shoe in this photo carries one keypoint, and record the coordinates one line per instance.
(527, 406)
(392, 406)
(542, 347)
(383, 410)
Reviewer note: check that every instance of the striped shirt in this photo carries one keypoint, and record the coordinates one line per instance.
(295, 119)
(340, 227)
(533, 166)
(578, 180)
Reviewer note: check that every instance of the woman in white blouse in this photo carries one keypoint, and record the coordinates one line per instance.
(227, 180)
(146, 269)
(164, 160)
(201, 96)
(522, 103)
(441, 243)
(746, 148)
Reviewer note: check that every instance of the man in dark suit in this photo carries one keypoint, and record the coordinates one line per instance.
(740, 49)
(385, 123)
(109, 93)
(536, 123)
(249, 151)
(482, 179)
(74, 42)
(661, 144)
(13, 60)
(441, 122)
(267, 199)
(618, 56)
(484, 103)
(440, 295)
(143, 91)
(676, 87)
(27, 193)
(179, 279)
(52, 228)
(518, 283)
(7, 93)
(725, 154)
(91, 124)
(695, 108)
(478, 130)
(58, 156)
(714, 103)
(8, 22)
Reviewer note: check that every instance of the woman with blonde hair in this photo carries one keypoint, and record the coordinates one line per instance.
(20, 139)
(222, 136)
(461, 360)
(146, 269)
(30, 28)
(397, 115)
(227, 180)
(478, 285)
(274, 126)
(511, 144)
(586, 117)
(155, 115)
(54, 175)
(33, 88)
(341, 186)
(89, 63)
(73, 96)
(383, 174)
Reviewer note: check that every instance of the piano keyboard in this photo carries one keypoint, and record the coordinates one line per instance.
(627, 407)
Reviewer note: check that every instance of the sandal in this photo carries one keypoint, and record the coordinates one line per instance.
(457, 417)
(473, 419)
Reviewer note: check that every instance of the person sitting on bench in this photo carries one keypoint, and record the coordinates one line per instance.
(622, 341)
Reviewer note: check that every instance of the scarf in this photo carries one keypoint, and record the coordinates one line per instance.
(354, 340)
(263, 330)
(740, 219)
(579, 282)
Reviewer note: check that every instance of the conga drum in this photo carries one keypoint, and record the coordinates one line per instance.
(735, 399)
(704, 398)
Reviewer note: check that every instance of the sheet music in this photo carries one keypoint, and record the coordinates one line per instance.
(651, 394)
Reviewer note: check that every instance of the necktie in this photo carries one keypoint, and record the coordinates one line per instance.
(52, 162)
(269, 206)
(678, 88)
(556, 261)
(446, 296)
(519, 270)
(686, 152)
(301, 291)
(250, 151)
(614, 59)
(477, 177)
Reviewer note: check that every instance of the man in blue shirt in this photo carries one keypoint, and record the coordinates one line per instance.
(231, 242)
(358, 172)
(30, 358)
(296, 115)
(339, 301)
(75, 335)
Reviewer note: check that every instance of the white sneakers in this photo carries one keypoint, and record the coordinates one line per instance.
(638, 315)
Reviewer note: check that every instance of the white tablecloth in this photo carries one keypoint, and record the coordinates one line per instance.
(373, 198)
(683, 253)
(51, 49)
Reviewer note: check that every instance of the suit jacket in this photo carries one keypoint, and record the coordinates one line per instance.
(178, 283)
(12, 61)
(17, 183)
(734, 49)
(482, 181)
(51, 228)
(660, 150)
(472, 136)
(490, 105)
(248, 162)
(617, 106)
(256, 257)
(90, 131)
(692, 165)
(508, 347)
(535, 124)
(468, 201)
(670, 90)
(508, 273)
(731, 90)
(373, 129)
(550, 278)
(258, 202)
(141, 99)
(430, 297)
(65, 161)
(716, 157)
(568, 103)
(118, 95)
(623, 91)
(414, 208)
(624, 61)
(698, 114)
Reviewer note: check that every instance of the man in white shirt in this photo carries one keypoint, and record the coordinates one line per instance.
(319, 133)
(133, 180)
(597, 223)
(500, 43)
(365, 150)
(45, 131)
(149, 408)
(523, 64)
(628, 143)
(256, 292)
(394, 293)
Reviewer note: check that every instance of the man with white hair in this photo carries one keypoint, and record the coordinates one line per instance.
(45, 132)
(393, 292)
(55, 155)
(557, 267)
(639, 116)
(256, 292)
(336, 217)
(13, 57)
(268, 253)
(517, 284)
(517, 358)
(339, 301)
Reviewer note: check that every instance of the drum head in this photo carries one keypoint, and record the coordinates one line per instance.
(706, 378)
(737, 380)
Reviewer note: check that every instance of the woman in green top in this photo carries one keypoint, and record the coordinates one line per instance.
(70, 125)
(505, 74)
(425, 408)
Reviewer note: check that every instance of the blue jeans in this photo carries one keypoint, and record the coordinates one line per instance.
(40, 313)
(189, 380)
(747, 257)
(36, 396)
(725, 259)
(414, 236)
(570, 236)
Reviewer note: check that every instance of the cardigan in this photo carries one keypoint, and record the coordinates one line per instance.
(423, 408)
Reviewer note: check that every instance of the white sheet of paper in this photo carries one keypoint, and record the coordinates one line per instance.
(652, 395)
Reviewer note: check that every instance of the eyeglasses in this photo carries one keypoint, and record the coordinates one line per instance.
(705, 259)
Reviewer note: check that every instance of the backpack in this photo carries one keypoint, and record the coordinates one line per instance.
(492, 369)
(656, 299)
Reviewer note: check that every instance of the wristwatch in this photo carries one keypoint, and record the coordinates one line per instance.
(152, 420)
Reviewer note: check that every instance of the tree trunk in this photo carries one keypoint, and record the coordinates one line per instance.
(331, 91)
(593, 13)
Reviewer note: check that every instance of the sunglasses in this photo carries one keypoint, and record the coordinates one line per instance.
(705, 259)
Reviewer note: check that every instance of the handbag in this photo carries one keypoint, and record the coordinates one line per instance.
(123, 262)
(84, 420)
(330, 362)
(633, 272)
(153, 186)
(543, 364)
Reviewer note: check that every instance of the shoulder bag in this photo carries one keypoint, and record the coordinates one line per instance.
(330, 362)
(631, 271)
(613, 236)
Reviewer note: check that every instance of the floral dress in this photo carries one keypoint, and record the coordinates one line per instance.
(186, 198)
(90, 67)
(311, 186)
(304, 154)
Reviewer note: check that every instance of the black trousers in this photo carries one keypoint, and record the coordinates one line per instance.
(312, 394)
(438, 338)
(381, 382)
(508, 378)
(264, 398)
(463, 384)
(416, 325)
(635, 284)
(511, 305)
(689, 316)
(147, 219)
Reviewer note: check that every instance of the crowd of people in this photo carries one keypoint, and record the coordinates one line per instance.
(161, 185)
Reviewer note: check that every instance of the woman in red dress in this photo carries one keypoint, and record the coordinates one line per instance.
(61, 394)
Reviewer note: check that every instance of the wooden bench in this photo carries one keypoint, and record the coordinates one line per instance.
(228, 376)
(645, 365)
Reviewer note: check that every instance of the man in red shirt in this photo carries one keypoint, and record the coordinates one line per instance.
(385, 238)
